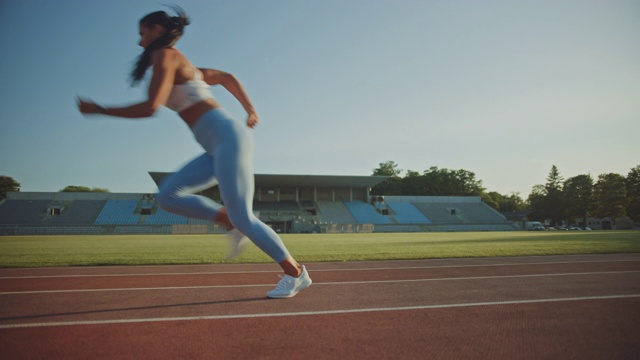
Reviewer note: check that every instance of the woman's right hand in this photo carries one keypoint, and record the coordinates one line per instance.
(89, 107)
(252, 120)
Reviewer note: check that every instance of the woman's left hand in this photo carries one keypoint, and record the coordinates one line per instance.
(89, 107)
(252, 120)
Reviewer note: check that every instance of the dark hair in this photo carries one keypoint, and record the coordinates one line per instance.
(174, 26)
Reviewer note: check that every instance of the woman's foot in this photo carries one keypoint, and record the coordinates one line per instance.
(237, 242)
(289, 286)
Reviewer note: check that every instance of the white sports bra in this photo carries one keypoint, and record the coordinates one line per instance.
(191, 92)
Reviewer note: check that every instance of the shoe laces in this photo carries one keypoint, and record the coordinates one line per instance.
(284, 283)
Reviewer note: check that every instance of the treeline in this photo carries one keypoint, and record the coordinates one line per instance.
(610, 196)
(579, 197)
(76, 188)
(9, 184)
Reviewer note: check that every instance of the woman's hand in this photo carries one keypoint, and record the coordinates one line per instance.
(89, 107)
(252, 120)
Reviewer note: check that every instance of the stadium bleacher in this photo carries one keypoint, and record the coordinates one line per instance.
(286, 205)
(28, 212)
(480, 213)
(54, 213)
(331, 212)
(406, 213)
(439, 213)
(162, 217)
(364, 213)
(79, 212)
(119, 212)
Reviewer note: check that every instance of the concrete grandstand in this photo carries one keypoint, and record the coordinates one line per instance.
(288, 203)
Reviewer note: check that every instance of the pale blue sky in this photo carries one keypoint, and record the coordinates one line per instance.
(504, 89)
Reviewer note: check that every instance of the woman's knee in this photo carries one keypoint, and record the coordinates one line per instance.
(166, 197)
(241, 219)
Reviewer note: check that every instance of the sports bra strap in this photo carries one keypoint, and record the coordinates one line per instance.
(197, 74)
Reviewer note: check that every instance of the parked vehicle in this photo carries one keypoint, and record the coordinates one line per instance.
(535, 226)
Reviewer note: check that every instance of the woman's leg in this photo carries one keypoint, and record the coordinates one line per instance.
(234, 171)
(177, 191)
(229, 160)
(237, 188)
(176, 195)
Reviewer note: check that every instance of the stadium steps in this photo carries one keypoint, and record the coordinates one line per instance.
(364, 213)
(405, 213)
(119, 212)
(334, 213)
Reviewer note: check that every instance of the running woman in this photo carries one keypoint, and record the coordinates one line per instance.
(228, 144)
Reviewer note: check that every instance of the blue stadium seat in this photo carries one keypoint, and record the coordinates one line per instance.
(405, 213)
(365, 213)
(119, 212)
(162, 217)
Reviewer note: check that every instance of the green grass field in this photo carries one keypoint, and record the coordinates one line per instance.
(36, 251)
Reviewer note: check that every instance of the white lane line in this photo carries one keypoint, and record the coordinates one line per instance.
(608, 257)
(314, 313)
(322, 283)
(310, 269)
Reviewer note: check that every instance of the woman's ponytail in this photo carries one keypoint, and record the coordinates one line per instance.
(174, 28)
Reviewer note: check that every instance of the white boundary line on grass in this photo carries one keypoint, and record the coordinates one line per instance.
(322, 283)
(310, 269)
(315, 313)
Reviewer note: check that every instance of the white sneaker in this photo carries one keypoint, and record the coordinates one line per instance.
(238, 242)
(289, 286)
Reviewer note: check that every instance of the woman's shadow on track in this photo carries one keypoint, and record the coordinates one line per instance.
(149, 307)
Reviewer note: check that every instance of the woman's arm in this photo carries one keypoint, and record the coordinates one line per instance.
(139, 110)
(233, 86)
(164, 70)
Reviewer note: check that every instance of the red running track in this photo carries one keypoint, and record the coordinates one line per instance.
(581, 306)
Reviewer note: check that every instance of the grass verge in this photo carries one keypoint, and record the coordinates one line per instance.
(39, 251)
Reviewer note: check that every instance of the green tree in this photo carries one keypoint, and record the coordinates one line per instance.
(391, 186)
(515, 202)
(467, 183)
(445, 182)
(74, 188)
(610, 195)
(633, 193)
(578, 197)
(537, 203)
(8, 184)
(432, 182)
(554, 199)
(488, 199)
(504, 203)
(412, 184)
(387, 168)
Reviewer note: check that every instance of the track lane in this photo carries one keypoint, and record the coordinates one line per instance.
(584, 307)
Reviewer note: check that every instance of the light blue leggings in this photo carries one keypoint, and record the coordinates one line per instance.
(227, 162)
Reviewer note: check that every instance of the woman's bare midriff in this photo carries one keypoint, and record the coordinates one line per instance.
(191, 114)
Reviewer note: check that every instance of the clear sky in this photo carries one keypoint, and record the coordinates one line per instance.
(504, 89)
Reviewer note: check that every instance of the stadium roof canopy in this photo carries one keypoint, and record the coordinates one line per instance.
(303, 180)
